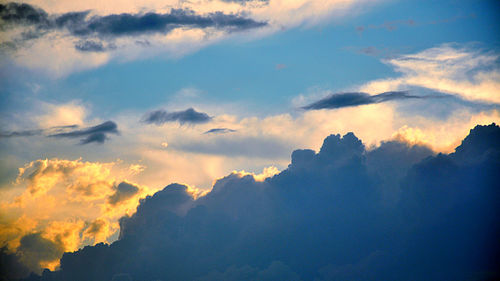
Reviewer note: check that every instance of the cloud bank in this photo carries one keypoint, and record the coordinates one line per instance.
(325, 217)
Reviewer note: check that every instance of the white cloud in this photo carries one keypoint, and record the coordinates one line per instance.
(469, 73)
(55, 54)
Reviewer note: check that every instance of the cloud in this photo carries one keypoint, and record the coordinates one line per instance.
(322, 218)
(96, 133)
(124, 191)
(189, 115)
(36, 132)
(92, 46)
(471, 74)
(61, 205)
(83, 25)
(53, 40)
(219, 131)
(35, 249)
(355, 99)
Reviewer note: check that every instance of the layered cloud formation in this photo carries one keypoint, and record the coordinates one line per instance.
(91, 34)
(97, 134)
(343, 213)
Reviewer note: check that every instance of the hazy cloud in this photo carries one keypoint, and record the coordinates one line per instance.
(189, 115)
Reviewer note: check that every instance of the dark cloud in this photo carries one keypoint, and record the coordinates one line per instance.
(123, 192)
(83, 25)
(25, 133)
(189, 116)
(96, 133)
(340, 100)
(219, 131)
(36, 132)
(322, 218)
(23, 14)
(11, 267)
(34, 249)
(90, 46)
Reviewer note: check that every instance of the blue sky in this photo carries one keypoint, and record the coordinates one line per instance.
(335, 55)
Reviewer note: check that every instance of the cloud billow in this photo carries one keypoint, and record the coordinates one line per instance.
(341, 100)
(322, 218)
(190, 116)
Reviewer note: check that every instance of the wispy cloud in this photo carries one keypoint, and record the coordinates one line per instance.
(189, 115)
(96, 133)
(219, 131)
(83, 25)
(341, 100)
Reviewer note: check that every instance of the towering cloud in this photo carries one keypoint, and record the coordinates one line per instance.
(323, 218)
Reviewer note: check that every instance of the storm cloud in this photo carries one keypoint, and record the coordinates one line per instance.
(322, 218)
(96, 133)
(83, 25)
(341, 100)
(190, 116)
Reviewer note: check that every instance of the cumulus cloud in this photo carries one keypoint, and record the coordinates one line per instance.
(340, 100)
(189, 116)
(322, 218)
(61, 205)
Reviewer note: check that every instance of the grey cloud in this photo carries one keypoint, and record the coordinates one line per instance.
(25, 133)
(92, 46)
(322, 218)
(96, 133)
(81, 24)
(123, 192)
(35, 132)
(34, 249)
(189, 115)
(219, 131)
(341, 100)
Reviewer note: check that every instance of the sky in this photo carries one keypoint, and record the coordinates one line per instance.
(104, 104)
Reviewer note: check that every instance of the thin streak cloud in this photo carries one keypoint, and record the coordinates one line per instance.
(341, 100)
